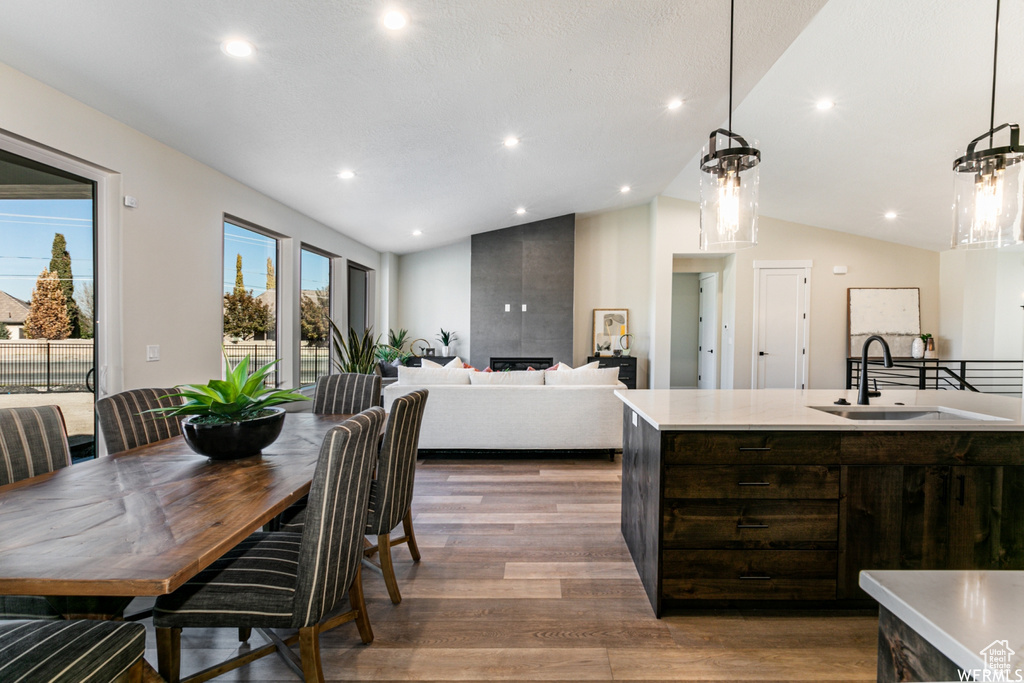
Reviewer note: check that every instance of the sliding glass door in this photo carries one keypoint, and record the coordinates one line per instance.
(48, 293)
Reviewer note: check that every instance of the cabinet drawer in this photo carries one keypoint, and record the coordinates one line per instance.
(716, 448)
(751, 481)
(749, 575)
(769, 524)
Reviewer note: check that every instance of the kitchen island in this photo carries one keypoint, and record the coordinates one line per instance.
(738, 496)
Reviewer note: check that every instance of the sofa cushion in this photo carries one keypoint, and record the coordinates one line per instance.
(428, 376)
(566, 367)
(580, 376)
(515, 377)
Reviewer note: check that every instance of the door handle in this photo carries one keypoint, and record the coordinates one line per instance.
(960, 496)
(762, 353)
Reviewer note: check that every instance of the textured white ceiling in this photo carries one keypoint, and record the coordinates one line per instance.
(912, 84)
(419, 114)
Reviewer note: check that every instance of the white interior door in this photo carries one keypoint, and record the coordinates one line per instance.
(707, 366)
(780, 349)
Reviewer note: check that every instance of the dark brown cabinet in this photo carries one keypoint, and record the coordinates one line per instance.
(625, 364)
(744, 515)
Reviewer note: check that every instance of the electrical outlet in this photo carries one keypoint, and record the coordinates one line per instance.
(508, 308)
(152, 353)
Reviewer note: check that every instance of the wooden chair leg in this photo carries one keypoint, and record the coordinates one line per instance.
(168, 653)
(410, 535)
(134, 674)
(387, 568)
(358, 602)
(309, 652)
(244, 632)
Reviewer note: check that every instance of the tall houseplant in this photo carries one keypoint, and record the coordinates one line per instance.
(232, 417)
(354, 353)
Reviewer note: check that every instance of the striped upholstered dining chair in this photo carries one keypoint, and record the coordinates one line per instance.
(347, 393)
(33, 441)
(71, 651)
(126, 424)
(287, 580)
(391, 491)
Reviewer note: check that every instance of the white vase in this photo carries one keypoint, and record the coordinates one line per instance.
(917, 348)
(446, 350)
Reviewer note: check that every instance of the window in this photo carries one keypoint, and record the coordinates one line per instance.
(47, 294)
(314, 316)
(250, 296)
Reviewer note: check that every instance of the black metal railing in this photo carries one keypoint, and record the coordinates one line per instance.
(984, 376)
(314, 361)
(57, 366)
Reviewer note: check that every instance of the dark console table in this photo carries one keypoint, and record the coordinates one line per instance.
(625, 364)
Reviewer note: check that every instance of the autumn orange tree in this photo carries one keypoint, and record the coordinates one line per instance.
(48, 312)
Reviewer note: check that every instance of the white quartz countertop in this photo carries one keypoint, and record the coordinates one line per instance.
(961, 613)
(742, 409)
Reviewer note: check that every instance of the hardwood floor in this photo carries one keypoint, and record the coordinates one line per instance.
(525, 576)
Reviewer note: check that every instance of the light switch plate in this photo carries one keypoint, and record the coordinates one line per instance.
(152, 352)
(524, 308)
(508, 308)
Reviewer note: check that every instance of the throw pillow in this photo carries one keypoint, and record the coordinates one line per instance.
(424, 363)
(428, 376)
(581, 377)
(514, 378)
(455, 363)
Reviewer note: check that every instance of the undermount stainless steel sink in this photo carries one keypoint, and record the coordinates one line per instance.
(906, 413)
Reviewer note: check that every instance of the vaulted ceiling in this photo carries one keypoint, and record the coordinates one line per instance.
(420, 114)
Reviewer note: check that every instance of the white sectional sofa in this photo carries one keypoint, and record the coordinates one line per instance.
(511, 416)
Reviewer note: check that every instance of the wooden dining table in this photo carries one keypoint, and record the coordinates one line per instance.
(145, 521)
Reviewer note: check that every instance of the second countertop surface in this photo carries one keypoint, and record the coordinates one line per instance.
(791, 409)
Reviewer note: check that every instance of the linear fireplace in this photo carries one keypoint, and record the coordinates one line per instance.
(521, 363)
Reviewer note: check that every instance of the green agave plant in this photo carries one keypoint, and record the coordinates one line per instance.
(238, 397)
(357, 353)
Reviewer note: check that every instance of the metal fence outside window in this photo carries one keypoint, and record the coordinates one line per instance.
(57, 366)
(67, 365)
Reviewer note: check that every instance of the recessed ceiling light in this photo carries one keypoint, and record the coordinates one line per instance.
(624, 189)
(237, 47)
(675, 104)
(825, 104)
(417, 233)
(395, 20)
(520, 211)
(891, 214)
(511, 141)
(347, 175)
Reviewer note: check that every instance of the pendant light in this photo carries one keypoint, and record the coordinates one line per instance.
(989, 185)
(728, 182)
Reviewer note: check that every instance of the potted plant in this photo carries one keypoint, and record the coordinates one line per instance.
(393, 354)
(355, 353)
(921, 344)
(446, 339)
(234, 417)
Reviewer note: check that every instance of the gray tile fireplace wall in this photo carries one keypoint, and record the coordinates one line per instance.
(529, 265)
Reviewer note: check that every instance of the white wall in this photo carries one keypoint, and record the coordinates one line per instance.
(981, 296)
(171, 245)
(685, 328)
(434, 292)
(612, 271)
(870, 263)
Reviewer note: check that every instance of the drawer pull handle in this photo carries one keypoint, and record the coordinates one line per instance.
(751, 526)
(753, 483)
(755, 578)
(752, 448)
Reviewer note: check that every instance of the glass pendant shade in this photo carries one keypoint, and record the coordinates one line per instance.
(989, 195)
(728, 193)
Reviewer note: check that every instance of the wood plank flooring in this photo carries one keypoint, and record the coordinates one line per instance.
(525, 576)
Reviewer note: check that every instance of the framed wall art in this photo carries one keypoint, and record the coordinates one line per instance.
(894, 313)
(609, 325)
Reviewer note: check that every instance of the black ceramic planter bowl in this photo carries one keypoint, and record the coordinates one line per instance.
(235, 439)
